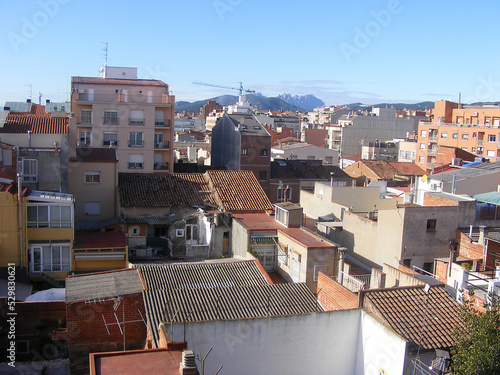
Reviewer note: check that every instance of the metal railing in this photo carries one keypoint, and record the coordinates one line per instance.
(161, 166)
(162, 145)
(351, 283)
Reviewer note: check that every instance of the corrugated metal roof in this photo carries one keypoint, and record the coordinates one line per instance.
(403, 309)
(227, 303)
(92, 287)
(202, 275)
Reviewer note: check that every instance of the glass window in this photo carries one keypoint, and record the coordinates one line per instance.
(110, 139)
(491, 138)
(135, 161)
(263, 152)
(45, 216)
(86, 116)
(422, 146)
(92, 177)
(135, 140)
(136, 117)
(431, 225)
(281, 193)
(84, 138)
(421, 160)
(423, 133)
(444, 135)
(455, 135)
(30, 170)
(159, 118)
(244, 151)
(110, 117)
(55, 257)
(491, 153)
(465, 136)
(262, 175)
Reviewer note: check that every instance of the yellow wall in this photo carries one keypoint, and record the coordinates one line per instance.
(9, 233)
(96, 265)
(50, 234)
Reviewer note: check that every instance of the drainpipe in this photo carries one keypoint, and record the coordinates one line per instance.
(20, 217)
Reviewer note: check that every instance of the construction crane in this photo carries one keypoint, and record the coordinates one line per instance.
(240, 89)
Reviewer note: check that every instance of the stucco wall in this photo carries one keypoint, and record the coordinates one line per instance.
(323, 343)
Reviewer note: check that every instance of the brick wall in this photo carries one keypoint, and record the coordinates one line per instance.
(441, 270)
(467, 249)
(437, 201)
(334, 296)
(87, 331)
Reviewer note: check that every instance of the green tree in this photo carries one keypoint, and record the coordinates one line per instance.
(477, 339)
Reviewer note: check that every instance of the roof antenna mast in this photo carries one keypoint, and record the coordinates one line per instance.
(102, 71)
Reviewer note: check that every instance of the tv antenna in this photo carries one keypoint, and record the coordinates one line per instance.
(105, 49)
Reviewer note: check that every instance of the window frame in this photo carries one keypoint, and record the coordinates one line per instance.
(136, 139)
(28, 174)
(51, 221)
(46, 252)
(110, 117)
(431, 225)
(90, 178)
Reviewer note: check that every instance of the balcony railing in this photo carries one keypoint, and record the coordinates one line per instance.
(135, 144)
(110, 143)
(480, 142)
(83, 121)
(161, 167)
(110, 121)
(162, 145)
(135, 165)
(431, 165)
(132, 121)
(433, 138)
(162, 98)
(432, 151)
(162, 123)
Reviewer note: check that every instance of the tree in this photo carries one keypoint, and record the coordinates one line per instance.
(477, 339)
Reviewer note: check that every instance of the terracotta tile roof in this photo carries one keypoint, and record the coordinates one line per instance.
(407, 169)
(92, 154)
(99, 240)
(403, 309)
(381, 168)
(235, 191)
(21, 123)
(117, 81)
(158, 189)
(238, 191)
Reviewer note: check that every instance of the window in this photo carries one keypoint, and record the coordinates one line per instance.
(179, 233)
(401, 154)
(407, 262)
(86, 116)
(136, 117)
(454, 135)
(135, 161)
(244, 151)
(159, 138)
(428, 267)
(29, 170)
(422, 146)
(49, 216)
(491, 153)
(53, 257)
(92, 208)
(282, 256)
(262, 175)
(421, 160)
(282, 190)
(474, 135)
(191, 232)
(84, 138)
(110, 118)
(263, 152)
(318, 269)
(408, 155)
(465, 136)
(135, 231)
(110, 139)
(492, 138)
(329, 159)
(431, 225)
(281, 216)
(159, 118)
(473, 150)
(135, 140)
(92, 177)
(444, 135)
(423, 133)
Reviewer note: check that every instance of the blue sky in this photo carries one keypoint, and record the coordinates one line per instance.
(340, 51)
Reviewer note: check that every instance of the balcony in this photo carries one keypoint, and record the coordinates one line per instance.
(162, 124)
(431, 165)
(83, 144)
(432, 151)
(135, 144)
(480, 142)
(134, 121)
(83, 121)
(110, 121)
(433, 138)
(161, 167)
(110, 143)
(162, 145)
(159, 99)
(135, 165)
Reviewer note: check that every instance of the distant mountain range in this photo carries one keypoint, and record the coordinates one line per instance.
(258, 101)
(307, 102)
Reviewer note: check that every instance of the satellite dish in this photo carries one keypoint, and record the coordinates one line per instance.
(424, 178)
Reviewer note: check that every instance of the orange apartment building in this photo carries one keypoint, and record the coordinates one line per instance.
(135, 116)
(475, 129)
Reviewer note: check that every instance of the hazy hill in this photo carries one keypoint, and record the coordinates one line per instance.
(308, 102)
(422, 106)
